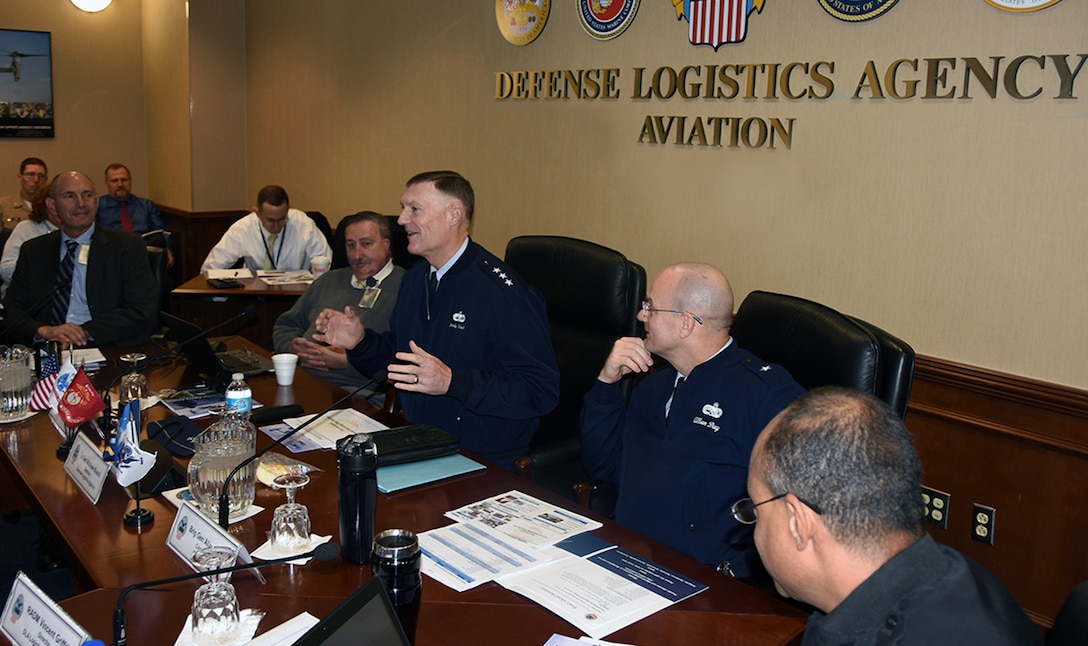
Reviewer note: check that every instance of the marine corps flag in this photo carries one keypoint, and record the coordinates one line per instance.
(80, 403)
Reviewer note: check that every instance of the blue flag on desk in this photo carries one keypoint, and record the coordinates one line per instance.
(130, 462)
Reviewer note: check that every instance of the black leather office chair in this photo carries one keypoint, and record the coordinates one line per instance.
(322, 223)
(822, 347)
(895, 372)
(399, 246)
(1071, 624)
(4, 235)
(819, 347)
(593, 294)
(157, 257)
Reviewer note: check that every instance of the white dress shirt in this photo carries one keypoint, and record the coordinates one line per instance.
(292, 250)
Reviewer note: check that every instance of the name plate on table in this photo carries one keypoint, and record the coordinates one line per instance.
(31, 618)
(87, 468)
(192, 531)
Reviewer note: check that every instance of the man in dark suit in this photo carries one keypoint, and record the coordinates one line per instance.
(81, 285)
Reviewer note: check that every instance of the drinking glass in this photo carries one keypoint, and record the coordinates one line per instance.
(16, 381)
(215, 605)
(290, 521)
(133, 384)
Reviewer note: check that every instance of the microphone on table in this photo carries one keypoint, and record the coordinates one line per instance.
(143, 363)
(323, 552)
(224, 499)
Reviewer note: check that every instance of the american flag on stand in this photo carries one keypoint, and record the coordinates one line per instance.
(45, 393)
(54, 382)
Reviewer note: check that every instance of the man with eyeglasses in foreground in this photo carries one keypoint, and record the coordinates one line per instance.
(17, 207)
(837, 483)
(679, 451)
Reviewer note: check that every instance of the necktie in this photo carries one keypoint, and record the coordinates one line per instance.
(668, 404)
(269, 262)
(432, 289)
(64, 284)
(126, 219)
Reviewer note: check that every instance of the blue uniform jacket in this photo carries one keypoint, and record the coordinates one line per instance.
(491, 329)
(679, 479)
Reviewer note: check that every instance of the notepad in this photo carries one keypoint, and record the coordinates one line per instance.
(401, 476)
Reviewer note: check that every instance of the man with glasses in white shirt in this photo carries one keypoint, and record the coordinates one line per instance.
(679, 451)
(273, 237)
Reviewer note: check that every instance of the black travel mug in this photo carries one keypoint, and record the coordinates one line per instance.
(358, 495)
(396, 562)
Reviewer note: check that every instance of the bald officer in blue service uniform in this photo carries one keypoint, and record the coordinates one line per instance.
(468, 347)
(679, 452)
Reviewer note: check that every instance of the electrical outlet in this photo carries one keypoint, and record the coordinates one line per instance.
(936, 504)
(982, 523)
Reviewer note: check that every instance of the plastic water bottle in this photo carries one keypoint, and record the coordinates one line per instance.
(239, 396)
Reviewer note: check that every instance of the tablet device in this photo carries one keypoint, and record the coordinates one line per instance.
(366, 618)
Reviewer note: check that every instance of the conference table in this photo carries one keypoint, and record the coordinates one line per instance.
(200, 303)
(107, 556)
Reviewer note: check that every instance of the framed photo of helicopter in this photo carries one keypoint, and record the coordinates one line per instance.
(26, 84)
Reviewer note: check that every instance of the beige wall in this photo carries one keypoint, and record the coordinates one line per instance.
(218, 100)
(167, 87)
(97, 91)
(957, 224)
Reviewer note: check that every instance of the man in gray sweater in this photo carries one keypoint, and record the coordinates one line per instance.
(369, 285)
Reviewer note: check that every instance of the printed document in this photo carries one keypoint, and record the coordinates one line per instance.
(334, 425)
(525, 518)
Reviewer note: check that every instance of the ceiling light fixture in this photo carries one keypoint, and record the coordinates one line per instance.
(92, 6)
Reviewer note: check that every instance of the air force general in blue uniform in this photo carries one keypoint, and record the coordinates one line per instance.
(474, 357)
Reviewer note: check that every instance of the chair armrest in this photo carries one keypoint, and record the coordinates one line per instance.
(583, 493)
(390, 399)
(597, 496)
(552, 454)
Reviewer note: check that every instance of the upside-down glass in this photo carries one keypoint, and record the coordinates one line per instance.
(215, 605)
(290, 521)
(133, 384)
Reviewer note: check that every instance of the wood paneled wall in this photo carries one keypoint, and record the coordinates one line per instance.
(1020, 446)
(194, 235)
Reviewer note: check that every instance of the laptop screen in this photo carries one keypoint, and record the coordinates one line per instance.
(198, 352)
(202, 355)
(366, 618)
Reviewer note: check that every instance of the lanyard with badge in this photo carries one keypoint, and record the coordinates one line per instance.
(279, 252)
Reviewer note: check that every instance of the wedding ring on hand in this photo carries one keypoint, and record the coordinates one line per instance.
(417, 380)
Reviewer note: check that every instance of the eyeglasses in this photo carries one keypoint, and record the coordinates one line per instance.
(34, 175)
(646, 307)
(744, 510)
